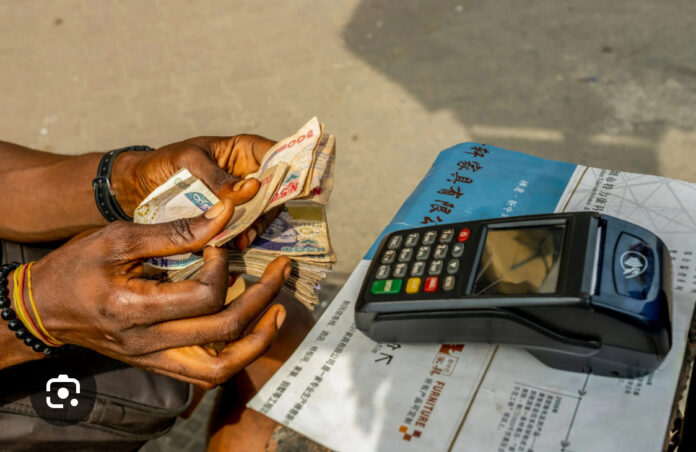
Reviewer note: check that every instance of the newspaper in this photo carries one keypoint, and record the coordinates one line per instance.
(349, 393)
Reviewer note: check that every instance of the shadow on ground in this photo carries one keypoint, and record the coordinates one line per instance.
(592, 82)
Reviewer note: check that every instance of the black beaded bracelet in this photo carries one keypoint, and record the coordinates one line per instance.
(13, 323)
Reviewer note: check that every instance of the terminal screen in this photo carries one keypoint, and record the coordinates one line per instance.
(520, 261)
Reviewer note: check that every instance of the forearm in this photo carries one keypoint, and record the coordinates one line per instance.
(46, 196)
(13, 350)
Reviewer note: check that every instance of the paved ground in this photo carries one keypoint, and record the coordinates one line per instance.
(611, 84)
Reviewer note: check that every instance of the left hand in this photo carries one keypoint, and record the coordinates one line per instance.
(220, 162)
(91, 293)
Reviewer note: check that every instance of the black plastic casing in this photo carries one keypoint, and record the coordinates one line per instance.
(586, 325)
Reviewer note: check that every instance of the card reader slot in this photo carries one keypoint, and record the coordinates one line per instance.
(495, 326)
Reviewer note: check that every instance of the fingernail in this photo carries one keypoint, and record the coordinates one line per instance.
(214, 211)
(280, 318)
(251, 236)
(287, 271)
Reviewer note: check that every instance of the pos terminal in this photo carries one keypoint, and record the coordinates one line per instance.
(581, 291)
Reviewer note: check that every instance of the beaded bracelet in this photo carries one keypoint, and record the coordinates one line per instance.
(13, 323)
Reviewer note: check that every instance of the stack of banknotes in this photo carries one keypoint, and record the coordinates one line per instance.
(296, 172)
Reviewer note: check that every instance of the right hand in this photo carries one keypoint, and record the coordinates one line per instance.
(221, 163)
(90, 292)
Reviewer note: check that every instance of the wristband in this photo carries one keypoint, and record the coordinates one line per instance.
(103, 193)
(20, 326)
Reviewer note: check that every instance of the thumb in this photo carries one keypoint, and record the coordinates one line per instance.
(186, 235)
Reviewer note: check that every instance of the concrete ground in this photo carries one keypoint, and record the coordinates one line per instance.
(610, 84)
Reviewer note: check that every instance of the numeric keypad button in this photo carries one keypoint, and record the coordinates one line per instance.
(413, 285)
(452, 266)
(388, 256)
(448, 283)
(386, 287)
(382, 272)
(400, 270)
(457, 250)
(446, 235)
(418, 268)
(395, 242)
(423, 253)
(431, 283)
(429, 237)
(406, 254)
(435, 267)
(440, 252)
(412, 239)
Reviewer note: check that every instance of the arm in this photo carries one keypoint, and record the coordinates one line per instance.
(46, 196)
(49, 197)
(90, 292)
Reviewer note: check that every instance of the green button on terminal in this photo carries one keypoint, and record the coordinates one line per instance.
(386, 287)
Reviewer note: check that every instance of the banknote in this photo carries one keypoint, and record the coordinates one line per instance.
(301, 284)
(320, 159)
(184, 196)
(245, 214)
(243, 217)
(321, 193)
(181, 196)
(299, 230)
(297, 151)
(298, 167)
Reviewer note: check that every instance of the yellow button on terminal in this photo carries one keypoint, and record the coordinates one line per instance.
(413, 285)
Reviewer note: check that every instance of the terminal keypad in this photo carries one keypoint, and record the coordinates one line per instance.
(419, 262)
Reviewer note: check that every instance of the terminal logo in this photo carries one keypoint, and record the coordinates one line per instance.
(633, 264)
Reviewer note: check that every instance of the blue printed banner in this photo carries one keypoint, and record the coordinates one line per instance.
(473, 181)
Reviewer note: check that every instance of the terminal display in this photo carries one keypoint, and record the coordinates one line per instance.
(520, 261)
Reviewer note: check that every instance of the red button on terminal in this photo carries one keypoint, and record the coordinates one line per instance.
(464, 235)
(431, 283)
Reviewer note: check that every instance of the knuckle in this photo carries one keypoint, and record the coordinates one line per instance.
(269, 288)
(180, 233)
(116, 227)
(115, 233)
(201, 337)
(231, 328)
(117, 311)
(133, 345)
(120, 240)
(212, 298)
(220, 373)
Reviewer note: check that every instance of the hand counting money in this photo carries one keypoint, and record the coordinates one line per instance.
(299, 167)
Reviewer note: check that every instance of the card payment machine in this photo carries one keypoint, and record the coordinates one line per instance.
(580, 291)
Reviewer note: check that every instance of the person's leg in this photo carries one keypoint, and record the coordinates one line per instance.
(234, 427)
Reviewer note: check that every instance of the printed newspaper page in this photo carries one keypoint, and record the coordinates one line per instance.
(349, 393)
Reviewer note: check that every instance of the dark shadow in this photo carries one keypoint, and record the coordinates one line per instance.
(572, 69)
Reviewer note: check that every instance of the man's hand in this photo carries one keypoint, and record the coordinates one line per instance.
(60, 201)
(90, 292)
(220, 162)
